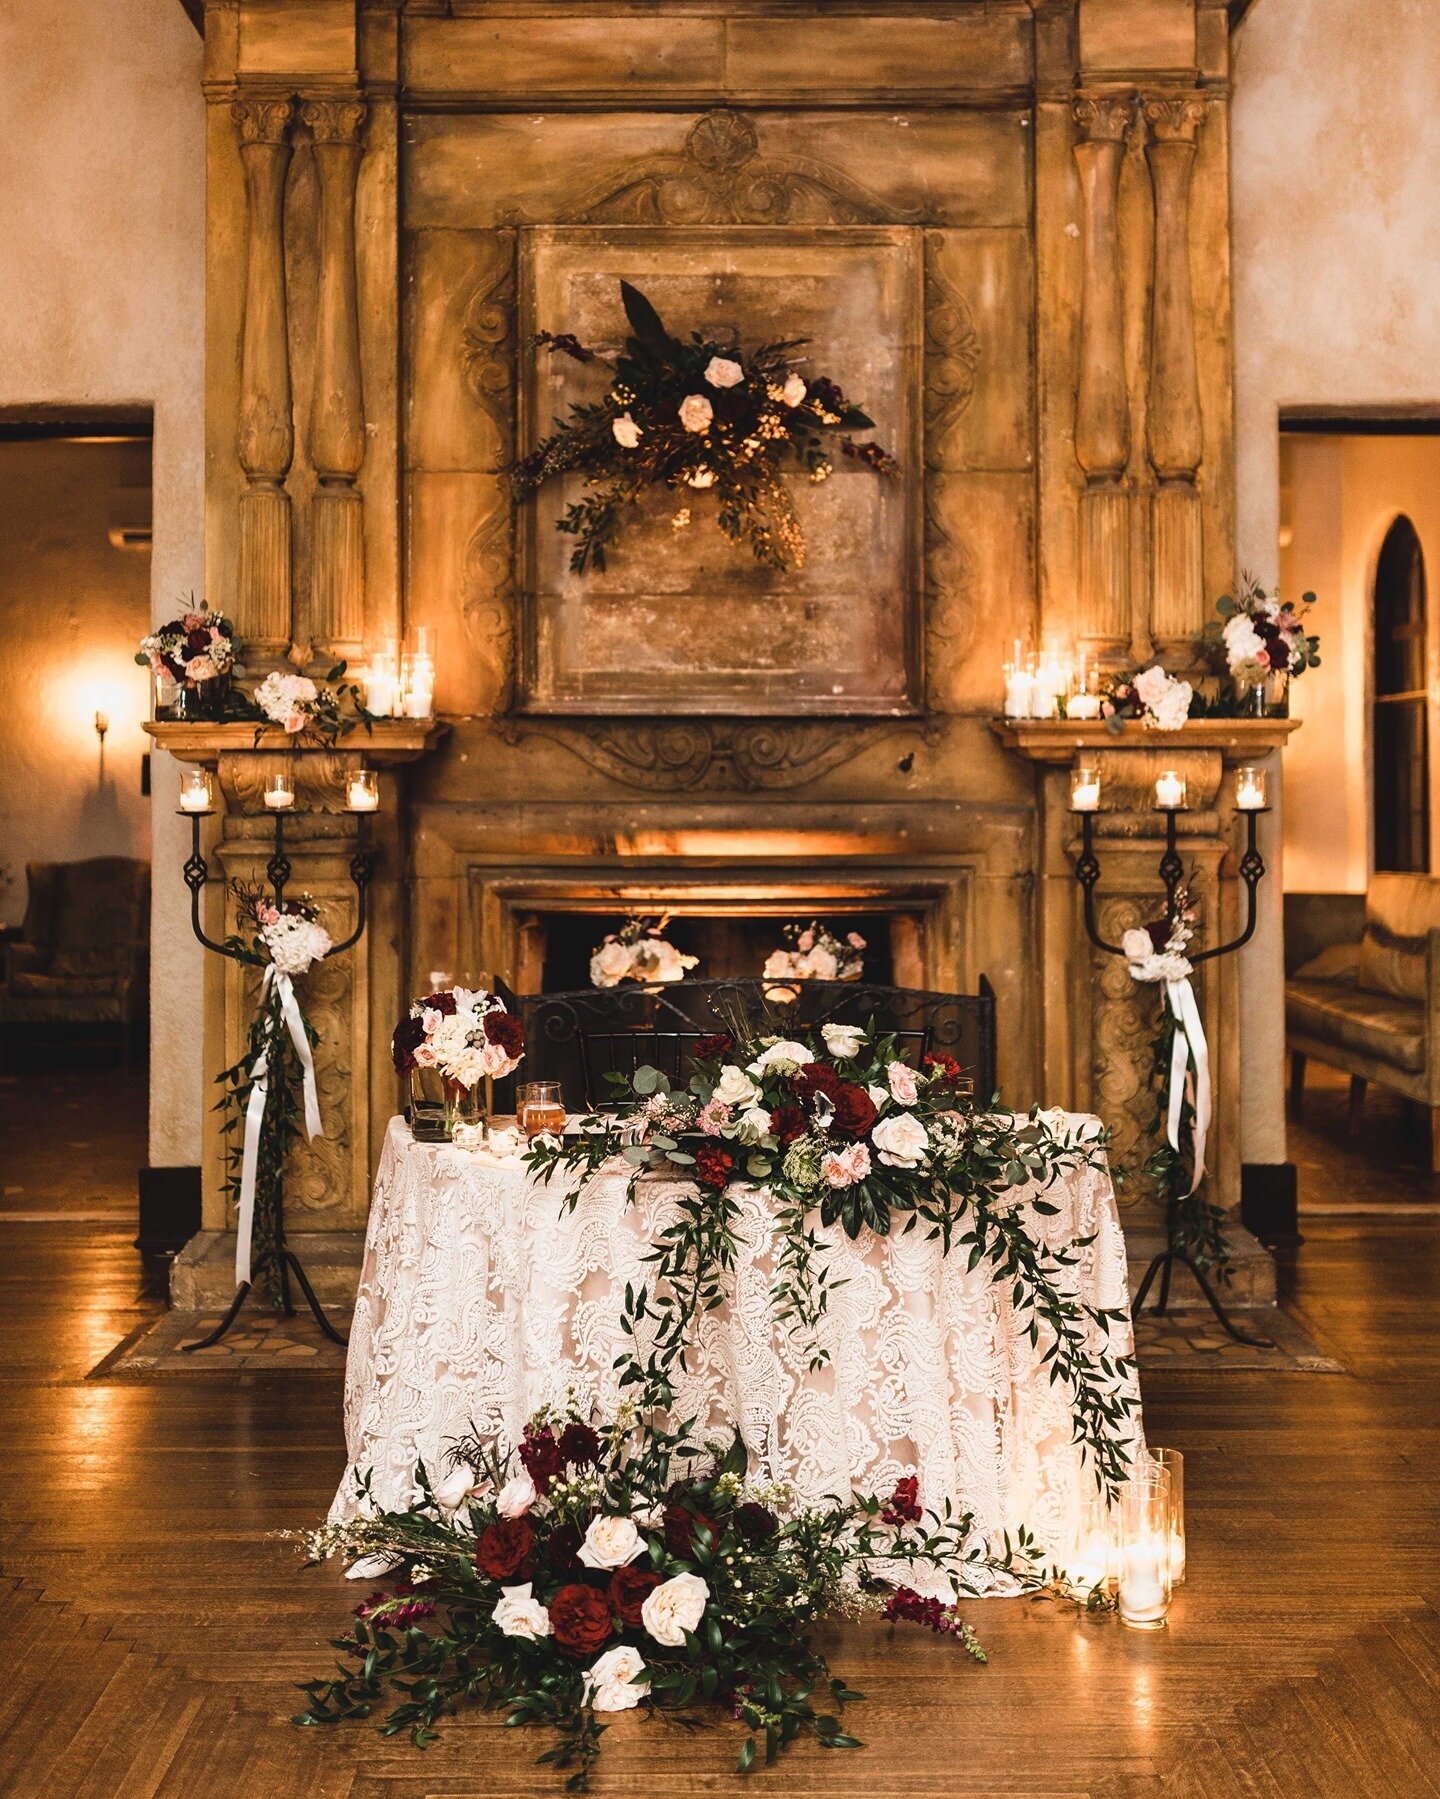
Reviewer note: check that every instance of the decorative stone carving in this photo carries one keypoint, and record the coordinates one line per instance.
(708, 755)
(337, 415)
(266, 440)
(1174, 436)
(1102, 403)
(952, 356)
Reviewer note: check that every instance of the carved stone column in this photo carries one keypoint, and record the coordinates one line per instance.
(337, 416)
(1102, 405)
(266, 439)
(1173, 430)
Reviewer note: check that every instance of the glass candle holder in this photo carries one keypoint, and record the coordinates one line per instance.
(1173, 1463)
(362, 791)
(1084, 788)
(1170, 791)
(197, 792)
(1250, 789)
(539, 1109)
(280, 792)
(382, 682)
(1094, 1560)
(1144, 1590)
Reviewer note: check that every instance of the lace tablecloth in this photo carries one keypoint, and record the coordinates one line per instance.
(482, 1297)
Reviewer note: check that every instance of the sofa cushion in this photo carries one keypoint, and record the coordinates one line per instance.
(1341, 962)
(98, 917)
(1400, 911)
(1374, 1024)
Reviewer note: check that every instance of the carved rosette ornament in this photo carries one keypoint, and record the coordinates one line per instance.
(337, 417)
(1173, 426)
(266, 438)
(1102, 401)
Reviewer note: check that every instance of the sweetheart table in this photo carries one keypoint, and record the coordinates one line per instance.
(483, 1297)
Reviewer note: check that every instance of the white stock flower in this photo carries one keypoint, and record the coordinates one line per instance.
(1243, 643)
(901, 1140)
(627, 432)
(842, 1040)
(518, 1615)
(675, 1606)
(295, 942)
(616, 1681)
(283, 698)
(696, 412)
(720, 371)
(793, 391)
(516, 1496)
(1151, 685)
(611, 1543)
(784, 1057)
(735, 1088)
(459, 1048)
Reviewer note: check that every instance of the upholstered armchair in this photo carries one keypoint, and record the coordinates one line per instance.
(80, 957)
(1370, 1004)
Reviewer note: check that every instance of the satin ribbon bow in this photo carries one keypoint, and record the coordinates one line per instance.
(1189, 1046)
(255, 1109)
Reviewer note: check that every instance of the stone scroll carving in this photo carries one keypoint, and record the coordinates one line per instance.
(266, 439)
(1173, 425)
(1102, 404)
(337, 418)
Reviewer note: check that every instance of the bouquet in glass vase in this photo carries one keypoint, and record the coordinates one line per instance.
(449, 1043)
(192, 659)
(1261, 642)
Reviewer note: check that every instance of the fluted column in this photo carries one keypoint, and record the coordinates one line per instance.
(266, 439)
(1173, 426)
(337, 415)
(1102, 406)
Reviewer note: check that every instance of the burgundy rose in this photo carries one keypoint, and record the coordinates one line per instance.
(580, 1619)
(443, 1003)
(504, 1547)
(681, 1527)
(197, 643)
(504, 1029)
(713, 1165)
(629, 1588)
(904, 1506)
(815, 1078)
(409, 1035)
(579, 1445)
(855, 1111)
(541, 1455)
(713, 1047)
(787, 1122)
(756, 1523)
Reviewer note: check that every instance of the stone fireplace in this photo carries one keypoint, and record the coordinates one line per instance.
(1005, 222)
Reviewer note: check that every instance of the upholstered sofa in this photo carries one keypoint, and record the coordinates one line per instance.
(1369, 1002)
(81, 955)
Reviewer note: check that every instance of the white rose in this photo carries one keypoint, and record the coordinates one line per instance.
(451, 1492)
(627, 432)
(1151, 685)
(793, 391)
(735, 1088)
(675, 1606)
(610, 964)
(1243, 642)
(753, 1124)
(901, 1140)
(820, 964)
(516, 1497)
(611, 1543)
(842, 1040)
(696, 412)
(702, 478)
(616, 1681)
(1136, 945)
(881, 1095)
(903, 1087)
(720, 371)
(784, 1057)
(518, 1615)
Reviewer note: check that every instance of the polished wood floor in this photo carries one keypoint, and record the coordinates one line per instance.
(151, 1623)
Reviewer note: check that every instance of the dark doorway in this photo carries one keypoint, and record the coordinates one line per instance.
(1400, 731)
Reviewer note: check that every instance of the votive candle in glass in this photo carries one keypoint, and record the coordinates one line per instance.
(1250, 789)
(1170, 791)
(280, 792)
(1173, 1463)
(1084, 788)
(1144, 1589)
(1094, 1557)
(382, 683)
(1083, 706)
(362, 792)
(196, 792)
(1019, 686)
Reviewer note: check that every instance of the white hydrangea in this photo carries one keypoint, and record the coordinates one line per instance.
(294, 942)
(286, 700)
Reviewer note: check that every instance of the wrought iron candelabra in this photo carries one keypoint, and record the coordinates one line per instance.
(197, 801)
(1170, 799)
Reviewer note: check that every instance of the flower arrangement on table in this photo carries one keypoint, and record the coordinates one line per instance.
(815, 954)
(1157, 699)
(197, 651)
(1258, 637)
(465, 1035)
(323, 711)
(638, 952)
(596, 1570)
(695, 417)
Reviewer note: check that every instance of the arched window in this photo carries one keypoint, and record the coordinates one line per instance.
(1400, 735)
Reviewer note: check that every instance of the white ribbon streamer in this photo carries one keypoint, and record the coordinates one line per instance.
(1189, 1045)
(255, 1110)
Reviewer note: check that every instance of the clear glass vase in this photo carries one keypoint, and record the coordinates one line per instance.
(463, 1105)
(428, 1122)
(1145, 1579)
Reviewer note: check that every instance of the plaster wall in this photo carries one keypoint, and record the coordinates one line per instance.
(1335, 209)
(102, 189)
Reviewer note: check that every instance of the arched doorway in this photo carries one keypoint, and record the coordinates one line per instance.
(1400, 734)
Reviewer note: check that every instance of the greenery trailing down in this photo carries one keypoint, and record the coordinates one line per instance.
(848, 1135)
(1197, 1228)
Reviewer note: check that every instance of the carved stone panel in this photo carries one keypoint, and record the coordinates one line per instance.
(681, 620)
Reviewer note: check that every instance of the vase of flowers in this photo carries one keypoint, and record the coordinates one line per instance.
(450, 1044)
(1261, 642)
(195, 651)
(816, 953)
(639, 952)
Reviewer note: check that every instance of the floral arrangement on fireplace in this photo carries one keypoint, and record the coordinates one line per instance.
(816, 953)
(465, 1033)
(196, 646)
(324, 711)
(696, 417)
(1158, 699)
(602, 1568)
(639, 952)
(1257, 636)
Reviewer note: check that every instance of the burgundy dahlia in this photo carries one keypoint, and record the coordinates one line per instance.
(713, 1047)
(579, 1445)
(855, 1111)
(756, 1523)
(409, 1035)
(787, 1122)
(681, 1526)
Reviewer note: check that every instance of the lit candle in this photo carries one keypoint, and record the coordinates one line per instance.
(280, 794)
(1083, 705)
(196, 794)
(1019, 685)
(1045, 693)
(1145, 1580)
(1250, 789)
(381, 685)
(1092, 1563)
(1084, 789)
(1170, 791)
(363, 792)
(419, 684)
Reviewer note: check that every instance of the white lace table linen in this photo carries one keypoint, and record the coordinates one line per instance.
(483, 1297)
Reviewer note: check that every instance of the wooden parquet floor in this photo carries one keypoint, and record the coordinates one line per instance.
(151, 1626)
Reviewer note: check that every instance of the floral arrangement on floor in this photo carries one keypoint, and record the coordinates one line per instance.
(844, 1132)
(197, 646)
(639, 952)
(303, 708)
(695, 417)
(815, 954)
(465, 1033)
(1157, 699)
(600, 1569)
(1258, 636)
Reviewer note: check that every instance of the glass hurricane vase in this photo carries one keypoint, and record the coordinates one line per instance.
(463, 1105)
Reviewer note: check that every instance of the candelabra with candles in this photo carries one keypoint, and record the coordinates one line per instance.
(1170, 799)
(197, 801)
